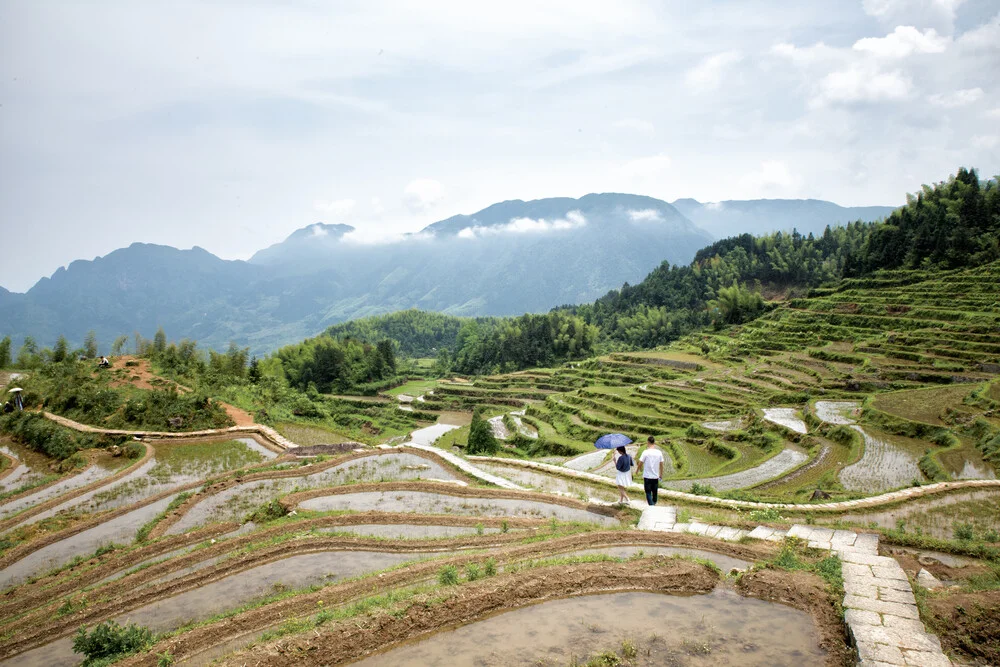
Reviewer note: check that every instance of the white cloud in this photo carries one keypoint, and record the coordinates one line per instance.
(861, 83)
(645, 215)
(422, 194)
(334, 207)
(993, 113)
(987, 141)
(317, 230)
(573, 220)
(984, 38)
(378, 236)
(805, 55)
(715, 205)
(773, 175)
(902, 42)
(377, 207)
(957, 98)
(937, 13)
(708, 73)
(636, 124)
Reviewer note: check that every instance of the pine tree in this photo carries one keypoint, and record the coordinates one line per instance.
(90, 344)
(5, 352)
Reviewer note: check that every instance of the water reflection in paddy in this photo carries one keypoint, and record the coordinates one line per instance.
(550, 483)
(720, 628)
(288, 574)
(121, 530)
(434, 503)
(234, 503)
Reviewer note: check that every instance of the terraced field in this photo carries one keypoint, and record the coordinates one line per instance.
(251, 548)
(918, 354)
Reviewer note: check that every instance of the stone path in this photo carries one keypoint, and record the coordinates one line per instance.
(880, 610)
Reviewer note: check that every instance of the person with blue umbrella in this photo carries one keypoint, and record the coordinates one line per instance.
(623, 462)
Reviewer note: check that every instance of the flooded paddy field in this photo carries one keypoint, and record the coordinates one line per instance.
(233, 504)
(433, 503)
(720, 628)
(936, 516)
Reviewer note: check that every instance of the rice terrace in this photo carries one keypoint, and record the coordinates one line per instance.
(422, 489)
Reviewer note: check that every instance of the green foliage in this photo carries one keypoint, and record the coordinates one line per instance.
(481, 438)
(448, 575)
(932, 469)
(473, 572)
(133, 450)
(269, 511)
(965, 531)
(111, 640)
(417, 333)
(490, 567)
(90, 344)
(948, 225)
(331, 365)
(40, 434)
(5, 352)
(702, 489)
(736, 304)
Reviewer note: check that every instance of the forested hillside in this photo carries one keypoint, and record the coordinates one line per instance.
(951, 224)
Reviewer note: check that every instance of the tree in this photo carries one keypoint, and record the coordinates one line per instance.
(61, 350)
(90, 344)
(253, 373)
(5, 352)
(159, 341)
(388, 354)
(481, 438)
(27, 356)
(120, 344)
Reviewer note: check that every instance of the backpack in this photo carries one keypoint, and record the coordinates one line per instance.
(624, 463)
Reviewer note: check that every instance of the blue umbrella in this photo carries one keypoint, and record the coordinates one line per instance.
(612, 441)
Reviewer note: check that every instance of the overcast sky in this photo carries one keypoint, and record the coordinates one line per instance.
(229, 124)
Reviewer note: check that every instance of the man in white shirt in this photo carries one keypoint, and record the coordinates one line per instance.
(651, 465)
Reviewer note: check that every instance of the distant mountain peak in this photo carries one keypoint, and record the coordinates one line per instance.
(320, 230)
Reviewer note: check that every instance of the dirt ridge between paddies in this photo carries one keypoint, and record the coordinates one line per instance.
(123, 595)
(12, 464)
(204, 637)
(225, 480)
(49, 589)
(892, 497)
(375, 634)
(25, 549)
(29, 512)
(300, 471)
(292, 500)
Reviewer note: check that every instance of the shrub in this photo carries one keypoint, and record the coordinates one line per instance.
(490, 567)
(964, 532)
(448, 575)
(134, 450)
(702, 489)
(472, 572)
(268, 512)
(110, 639)
(481, 438)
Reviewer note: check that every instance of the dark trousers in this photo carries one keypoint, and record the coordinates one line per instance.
(652, 486)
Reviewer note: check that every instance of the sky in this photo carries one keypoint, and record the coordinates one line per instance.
(229, 124)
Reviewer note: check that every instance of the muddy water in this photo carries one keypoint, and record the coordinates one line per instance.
(253, 445)
(30, 467)
(720, 628)
(427, 436)
(889, 462)
(235, 503)
(120, 530)
(726, 425)
(836, 412)
(244, 587)
(527, 430)
(725, 563)
(449, 418)
(407, 531)
(550, 483)
(91, 474)
(769, 469)
(787, 417)
(432, 503)
(966, 463)
(57, 654)
(937, 516)
(175, 464)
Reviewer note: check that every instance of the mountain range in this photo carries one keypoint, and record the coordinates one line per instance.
(510, 258)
